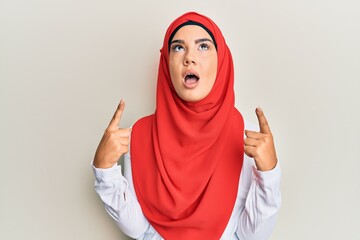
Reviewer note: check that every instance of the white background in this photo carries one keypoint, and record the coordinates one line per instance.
(64, 66)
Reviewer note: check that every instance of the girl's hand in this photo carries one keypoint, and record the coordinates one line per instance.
(114, 143)
(260, 145)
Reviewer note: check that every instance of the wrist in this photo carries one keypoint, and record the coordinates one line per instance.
(266, 166)
(102, 164)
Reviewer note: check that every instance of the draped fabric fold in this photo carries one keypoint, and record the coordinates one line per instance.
(187, 156)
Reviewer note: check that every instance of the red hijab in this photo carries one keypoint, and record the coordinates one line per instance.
(187, 157)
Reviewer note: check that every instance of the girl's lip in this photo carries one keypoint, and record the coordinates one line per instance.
(191, 72)
(192, 82)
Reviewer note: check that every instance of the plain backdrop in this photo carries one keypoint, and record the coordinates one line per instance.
(65, 65)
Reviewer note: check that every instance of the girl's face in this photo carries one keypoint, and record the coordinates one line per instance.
(192, 63)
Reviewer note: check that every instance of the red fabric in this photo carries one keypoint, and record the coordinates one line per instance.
(187, 157)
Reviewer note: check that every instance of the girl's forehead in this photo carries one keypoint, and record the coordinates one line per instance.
(191, 31)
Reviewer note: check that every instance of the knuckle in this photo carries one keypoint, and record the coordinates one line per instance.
(124, 131)
(123, 149)
(119, 147)
(124, 141)
(112, 136)
(269, 139)
(263, 140)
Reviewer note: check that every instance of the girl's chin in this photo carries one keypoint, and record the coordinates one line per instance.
(190, 98)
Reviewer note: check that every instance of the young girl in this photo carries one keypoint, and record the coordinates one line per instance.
(193, 171)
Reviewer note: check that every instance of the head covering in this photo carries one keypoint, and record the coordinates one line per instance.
(187, 157)
(191, 23)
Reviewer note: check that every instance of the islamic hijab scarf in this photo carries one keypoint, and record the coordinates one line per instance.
(187, 157)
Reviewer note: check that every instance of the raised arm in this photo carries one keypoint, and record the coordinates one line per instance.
(263, 199)
(111, 185)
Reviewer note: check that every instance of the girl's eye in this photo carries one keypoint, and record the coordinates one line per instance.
(204, 46)
(177, 48)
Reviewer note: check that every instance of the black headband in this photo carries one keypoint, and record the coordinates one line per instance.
(191, 23)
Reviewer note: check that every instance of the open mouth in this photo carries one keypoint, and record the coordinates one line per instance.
(191, 79)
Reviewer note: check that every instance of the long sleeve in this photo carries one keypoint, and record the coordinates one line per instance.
(253, 216)
(262, 204)
(119, 201)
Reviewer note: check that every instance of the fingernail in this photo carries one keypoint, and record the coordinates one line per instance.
(258, 109)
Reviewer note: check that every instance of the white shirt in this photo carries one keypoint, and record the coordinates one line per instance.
(253, 217)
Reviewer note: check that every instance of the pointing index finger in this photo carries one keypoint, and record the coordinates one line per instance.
(115, 121)
(263, 123)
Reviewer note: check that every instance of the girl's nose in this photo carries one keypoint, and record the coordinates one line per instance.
(189, 59)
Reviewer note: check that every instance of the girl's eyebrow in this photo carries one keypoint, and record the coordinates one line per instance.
(203, 40)
(177, 41)
(196, 41)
